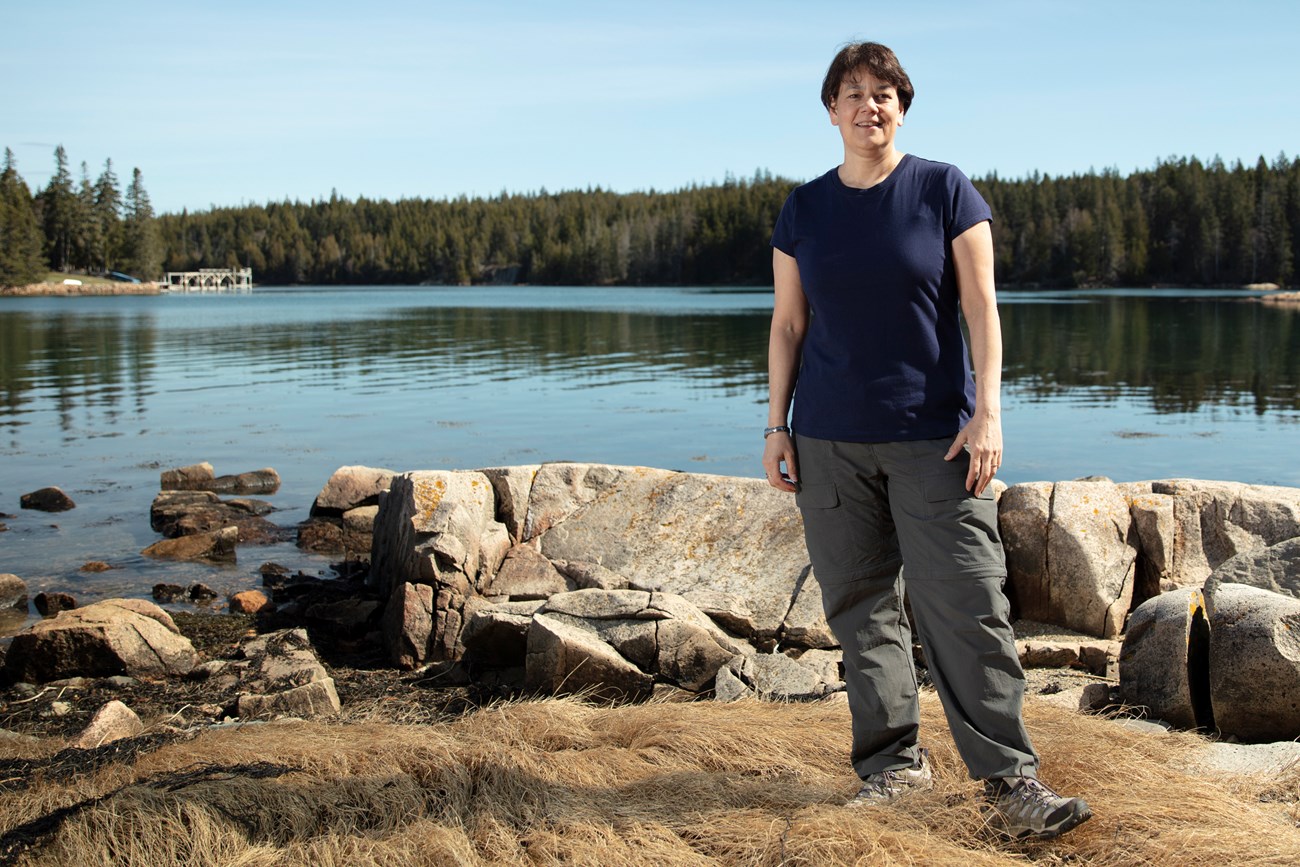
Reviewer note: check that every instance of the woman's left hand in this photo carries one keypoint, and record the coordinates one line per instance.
(982, 437)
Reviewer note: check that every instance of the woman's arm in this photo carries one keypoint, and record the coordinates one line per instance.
(972, 252)
(789, 325)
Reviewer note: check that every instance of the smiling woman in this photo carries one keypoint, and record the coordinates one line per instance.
(895, 442)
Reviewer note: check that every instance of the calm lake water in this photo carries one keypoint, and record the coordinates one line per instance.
(98, 395)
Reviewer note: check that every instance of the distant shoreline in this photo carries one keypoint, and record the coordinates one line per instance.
(84, 289)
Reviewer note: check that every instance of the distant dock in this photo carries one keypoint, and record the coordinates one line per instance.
(209, 280)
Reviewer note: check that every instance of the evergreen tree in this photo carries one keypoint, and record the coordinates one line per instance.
(87, 237)
(21, 261)
(59, 213)
(108, 214)
(142, 250)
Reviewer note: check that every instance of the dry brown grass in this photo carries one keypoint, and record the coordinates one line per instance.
(559, 781)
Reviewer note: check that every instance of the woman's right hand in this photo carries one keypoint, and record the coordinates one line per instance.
(778, 449)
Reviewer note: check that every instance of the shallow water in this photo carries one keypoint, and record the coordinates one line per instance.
(98, 395)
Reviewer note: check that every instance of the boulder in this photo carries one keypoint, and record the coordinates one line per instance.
(408, 624)
(359, 531)
(200, 592)
(47, 500)
(1215, 521)
(13, 591)
(1275, 568)
(216, 545)
(784, 677)
(350, 488)
(200, 477)
(283, 677)
(661, 635)
(350, 536)
(438, 529)
(191, 478)
(563, 656)
(51, 603)
(525, 574)
(164, 592)
(94, 566)
(248, 602)
(513, 486)
(1153, 519)
(112, 722)
(1164, 663)
(117, 636)
(186, 513)
(1070, 558)
(1254, 662)
(675, 532)
(1024, 512)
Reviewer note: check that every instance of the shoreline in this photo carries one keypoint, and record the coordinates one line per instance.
(62, 289)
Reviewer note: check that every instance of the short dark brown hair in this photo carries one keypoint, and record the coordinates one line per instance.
(876, 59)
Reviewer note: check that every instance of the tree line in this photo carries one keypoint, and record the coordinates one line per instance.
(84, 227)
(1183, 222)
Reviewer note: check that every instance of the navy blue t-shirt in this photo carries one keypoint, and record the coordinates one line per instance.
(884, 359)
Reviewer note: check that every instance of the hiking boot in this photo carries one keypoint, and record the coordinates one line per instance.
(1024, 807)
(885, 787)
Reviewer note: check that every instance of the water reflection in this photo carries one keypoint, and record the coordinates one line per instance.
(1178, 355)
(98, 395)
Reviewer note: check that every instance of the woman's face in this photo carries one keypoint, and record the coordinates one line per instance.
(867, 112)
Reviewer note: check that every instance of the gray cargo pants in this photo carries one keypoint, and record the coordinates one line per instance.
(869, 509)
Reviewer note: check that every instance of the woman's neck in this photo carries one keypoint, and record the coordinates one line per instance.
(863, 172)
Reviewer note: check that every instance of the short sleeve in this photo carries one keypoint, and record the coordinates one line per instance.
(783, 233)
(968, 206)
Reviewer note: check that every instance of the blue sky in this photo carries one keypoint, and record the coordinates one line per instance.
(237, 101)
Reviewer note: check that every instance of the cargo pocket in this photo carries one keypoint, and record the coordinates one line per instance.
(940, 489)
(817, 496)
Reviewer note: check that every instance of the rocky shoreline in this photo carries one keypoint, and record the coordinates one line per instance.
(453, 589)
(506, 658)
(63, 289)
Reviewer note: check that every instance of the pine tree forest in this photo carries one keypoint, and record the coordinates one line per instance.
(1182, 223)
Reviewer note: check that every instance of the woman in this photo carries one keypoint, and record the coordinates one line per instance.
(893, 443)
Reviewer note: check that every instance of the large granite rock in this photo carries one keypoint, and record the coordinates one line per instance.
(189, 513)
(1254, 662)
(675, 532)
(436, 529)
(117, 636)
(1214, 521)
(621, 641)
(349, 488)
(408, 624)
(1070, 553)
(1164, 663)
(1275, 568)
